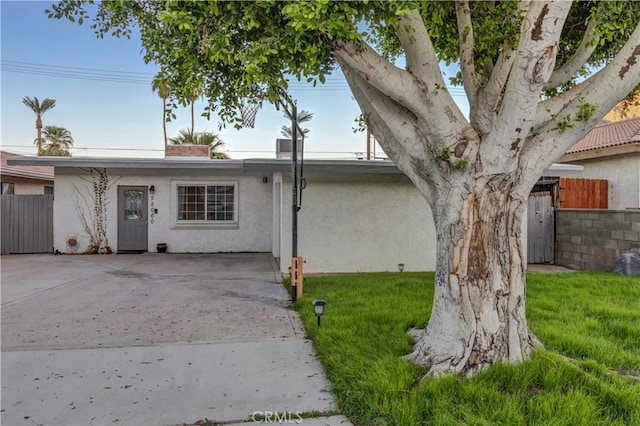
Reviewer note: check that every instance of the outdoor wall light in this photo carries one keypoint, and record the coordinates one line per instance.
(401, 267)
(318, 308)
(152, 189)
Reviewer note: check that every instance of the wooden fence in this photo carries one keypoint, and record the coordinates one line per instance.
(578, 193)
(27, 224)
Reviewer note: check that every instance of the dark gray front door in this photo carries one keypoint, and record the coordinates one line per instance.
(132, 218)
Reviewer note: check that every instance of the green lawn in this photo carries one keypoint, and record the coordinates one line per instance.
(588, 374)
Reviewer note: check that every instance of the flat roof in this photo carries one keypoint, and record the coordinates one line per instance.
(246, 165)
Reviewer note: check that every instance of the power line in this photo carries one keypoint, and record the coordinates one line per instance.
(239, 151)
(76, 68)
(133, 77)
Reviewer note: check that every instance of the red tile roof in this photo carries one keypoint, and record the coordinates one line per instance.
(36, 172)
(608, 135)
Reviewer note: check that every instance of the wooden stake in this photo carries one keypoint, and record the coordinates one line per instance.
(296, 275)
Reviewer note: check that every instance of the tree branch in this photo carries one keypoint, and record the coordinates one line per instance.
(392, 81)
(569, 69)
(434, 103)
(483, 113)
(467, 61)
(402, 143)
(603, 91)
(534, 62)
(421, 58)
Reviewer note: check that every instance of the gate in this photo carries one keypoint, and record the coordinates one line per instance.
(540, 228)
(27, 224)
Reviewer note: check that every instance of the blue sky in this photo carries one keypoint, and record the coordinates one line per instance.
(109, 118)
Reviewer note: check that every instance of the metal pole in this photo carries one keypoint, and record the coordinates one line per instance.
(368, 145)
(294, 181)
(294, 188)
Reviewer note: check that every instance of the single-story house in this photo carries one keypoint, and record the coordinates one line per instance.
(612, 151)
(23, 179)
(355, 215)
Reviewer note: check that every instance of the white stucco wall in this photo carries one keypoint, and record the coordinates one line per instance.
(623, 174)
(358, 223)
(253, 233)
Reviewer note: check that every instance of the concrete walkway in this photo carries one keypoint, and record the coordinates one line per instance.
(76, 350)
(548, 269)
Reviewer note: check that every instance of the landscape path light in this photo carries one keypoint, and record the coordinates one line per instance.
(318, 308)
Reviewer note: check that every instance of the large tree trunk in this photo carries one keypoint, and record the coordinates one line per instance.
(478, 316)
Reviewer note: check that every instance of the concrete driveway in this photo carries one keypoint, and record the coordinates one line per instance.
(154, 339)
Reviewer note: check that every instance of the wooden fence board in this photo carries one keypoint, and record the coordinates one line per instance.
(577, 193)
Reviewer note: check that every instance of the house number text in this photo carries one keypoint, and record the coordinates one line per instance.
(151, 209)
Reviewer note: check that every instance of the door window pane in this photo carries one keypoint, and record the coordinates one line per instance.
(133, 205)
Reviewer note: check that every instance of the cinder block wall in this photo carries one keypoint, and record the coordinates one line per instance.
(594, 239)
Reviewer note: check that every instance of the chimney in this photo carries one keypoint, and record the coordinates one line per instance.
(187, 151)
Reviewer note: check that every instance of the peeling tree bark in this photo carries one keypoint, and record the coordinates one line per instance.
(478, 316)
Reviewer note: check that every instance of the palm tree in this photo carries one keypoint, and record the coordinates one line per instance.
(193, 95)
(160, 86)
(187, 136)
(56, 141)
(39, 109)
(303, 117)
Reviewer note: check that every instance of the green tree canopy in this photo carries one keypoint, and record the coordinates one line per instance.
(234, 50)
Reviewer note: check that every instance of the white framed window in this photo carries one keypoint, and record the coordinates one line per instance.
(206, 203)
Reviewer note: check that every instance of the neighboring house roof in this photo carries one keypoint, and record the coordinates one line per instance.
(607, 139)
(25, 171)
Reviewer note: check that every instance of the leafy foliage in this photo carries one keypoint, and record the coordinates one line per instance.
(39, 108)
(235, 50)
(55, 141)
(303, 117)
